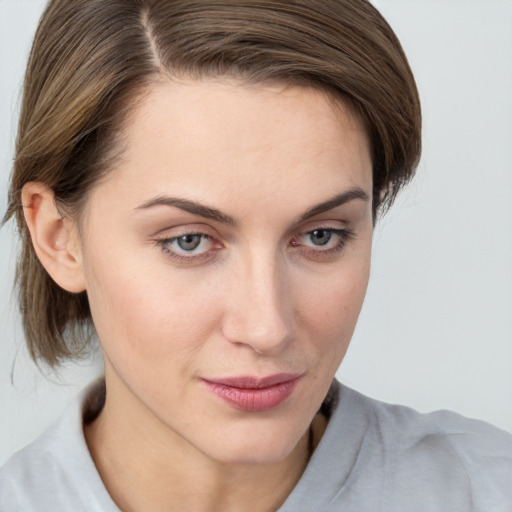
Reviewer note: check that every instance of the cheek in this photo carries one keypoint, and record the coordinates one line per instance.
(144, 311)
(331, 305)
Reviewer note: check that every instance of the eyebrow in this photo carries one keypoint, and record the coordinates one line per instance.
(337, 200)
(190, 207)
(216, 215)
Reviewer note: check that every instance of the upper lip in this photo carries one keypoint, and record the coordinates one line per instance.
(252, 382)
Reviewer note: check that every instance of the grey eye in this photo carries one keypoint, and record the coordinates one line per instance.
(320, 236)
(189, 242)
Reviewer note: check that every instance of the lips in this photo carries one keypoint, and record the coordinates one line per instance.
(254, 394)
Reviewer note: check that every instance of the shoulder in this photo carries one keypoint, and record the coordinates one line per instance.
(401, 423)
(469, 440)
(56, 471)
(21, 478)
(466, 460)
(391, 458)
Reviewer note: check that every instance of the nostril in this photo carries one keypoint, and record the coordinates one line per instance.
(259, 312)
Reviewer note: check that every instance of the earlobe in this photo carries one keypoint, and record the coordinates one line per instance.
(54, 238)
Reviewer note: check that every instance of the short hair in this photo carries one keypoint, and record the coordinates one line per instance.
(92, 59)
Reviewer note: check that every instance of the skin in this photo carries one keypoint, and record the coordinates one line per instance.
(258, 296)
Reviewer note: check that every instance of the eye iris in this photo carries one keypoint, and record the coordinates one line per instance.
(321, 236)
(189, 242)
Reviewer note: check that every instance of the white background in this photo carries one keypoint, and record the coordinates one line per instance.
(436, 328)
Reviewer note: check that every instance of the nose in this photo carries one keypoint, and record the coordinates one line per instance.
(260, 307)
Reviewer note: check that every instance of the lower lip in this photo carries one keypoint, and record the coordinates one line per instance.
(253, 400)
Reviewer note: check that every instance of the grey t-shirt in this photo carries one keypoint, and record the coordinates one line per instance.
(373, 457)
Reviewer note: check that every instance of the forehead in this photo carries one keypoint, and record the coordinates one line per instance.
(218, 138)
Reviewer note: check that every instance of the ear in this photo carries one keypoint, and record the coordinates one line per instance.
(55, 239)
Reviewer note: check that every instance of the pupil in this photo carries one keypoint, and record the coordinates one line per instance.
(189, 242)
(321, 236)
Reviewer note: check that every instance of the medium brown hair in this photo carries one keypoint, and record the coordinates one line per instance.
(91, 59)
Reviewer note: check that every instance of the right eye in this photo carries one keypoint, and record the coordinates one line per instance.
(189, 243)
(187, 246)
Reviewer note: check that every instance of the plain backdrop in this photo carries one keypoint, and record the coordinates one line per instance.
(436, 328)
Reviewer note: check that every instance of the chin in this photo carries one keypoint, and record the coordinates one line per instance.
(253, 457)
(256, 449)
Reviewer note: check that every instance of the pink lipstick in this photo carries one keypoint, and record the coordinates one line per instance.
(253, 394)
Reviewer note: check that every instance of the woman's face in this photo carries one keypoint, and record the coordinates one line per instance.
(226, 259)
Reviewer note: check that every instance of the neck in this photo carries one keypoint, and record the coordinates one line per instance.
(162, 471)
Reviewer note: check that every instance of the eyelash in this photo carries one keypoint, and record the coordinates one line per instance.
(344, 235)
(165, 243)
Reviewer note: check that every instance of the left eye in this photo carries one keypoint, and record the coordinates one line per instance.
(323, 239)
(320, 237)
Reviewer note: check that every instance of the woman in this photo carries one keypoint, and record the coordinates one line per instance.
(199, 182)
